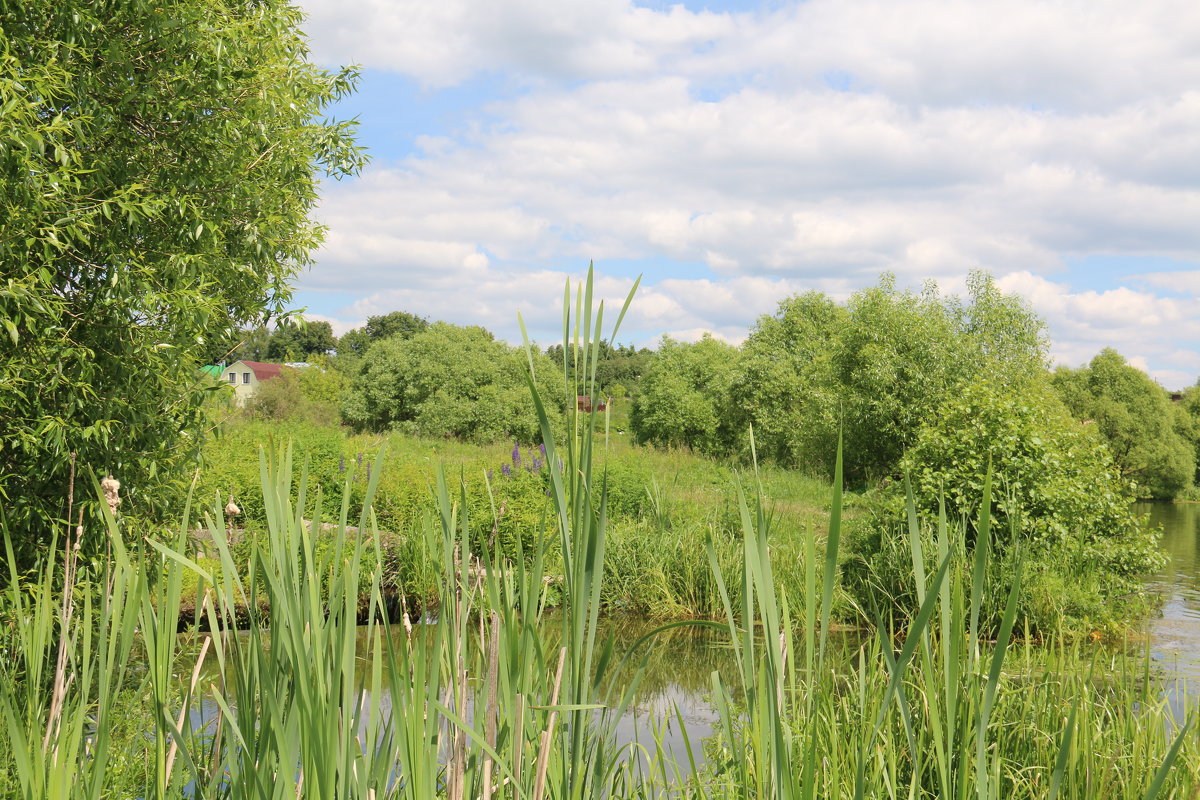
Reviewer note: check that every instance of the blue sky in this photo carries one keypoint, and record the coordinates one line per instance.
(736, 153)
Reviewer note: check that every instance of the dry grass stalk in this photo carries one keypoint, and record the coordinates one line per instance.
(183, 710)
(519, 740)
(61, 681)
(539, 786)
(489, 721)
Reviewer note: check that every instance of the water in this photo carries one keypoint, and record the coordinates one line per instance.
(1175, 634)
(677, 678)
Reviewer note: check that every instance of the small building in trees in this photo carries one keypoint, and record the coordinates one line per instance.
(244, 377)
(583, 402)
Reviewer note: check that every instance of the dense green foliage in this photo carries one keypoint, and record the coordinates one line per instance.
(619, 369)
(871, 371)
(158, 169)
(1059, 502)
(311, 394)
(680, 400)
(379, 328)
(1145, 433)
(447, 381)
(785, 386)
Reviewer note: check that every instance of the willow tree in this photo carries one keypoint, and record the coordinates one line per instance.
(158, 163)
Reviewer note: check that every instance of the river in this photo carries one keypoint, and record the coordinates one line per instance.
(1175, 632)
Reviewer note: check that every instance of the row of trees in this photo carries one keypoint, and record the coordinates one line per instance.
(401, 372)
(880, 369)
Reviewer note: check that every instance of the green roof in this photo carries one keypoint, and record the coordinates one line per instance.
(213, 369)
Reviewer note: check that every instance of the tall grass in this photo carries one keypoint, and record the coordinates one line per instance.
(484, 701)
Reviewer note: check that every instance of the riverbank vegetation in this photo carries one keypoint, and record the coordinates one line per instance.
(921, 386)
(482, 701)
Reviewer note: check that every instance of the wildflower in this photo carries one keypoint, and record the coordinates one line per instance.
(342, 464)
(112, 489)
(504, 469)
(489, 475)
(542, 449)
(517, 454)
(537, 464)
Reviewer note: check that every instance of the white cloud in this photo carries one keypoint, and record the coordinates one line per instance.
(1012, 137)
(446, 42)
(1146, 328)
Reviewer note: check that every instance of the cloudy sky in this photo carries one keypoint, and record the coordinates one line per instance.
(735, 153)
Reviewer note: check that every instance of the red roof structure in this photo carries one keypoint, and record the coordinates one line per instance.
(264, 371)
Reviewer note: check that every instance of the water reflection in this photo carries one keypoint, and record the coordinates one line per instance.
(1175, 635)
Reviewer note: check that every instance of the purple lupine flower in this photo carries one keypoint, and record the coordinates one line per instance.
(504, 468)
(368, 472)
(489, 476)
(516, 454)
(537, 464)
(542, 449)
(360, 460)
(342, 464)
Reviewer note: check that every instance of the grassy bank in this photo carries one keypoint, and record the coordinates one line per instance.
(662, 505)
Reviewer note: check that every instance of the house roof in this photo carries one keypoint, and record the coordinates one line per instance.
(262, 370)
(212, 369)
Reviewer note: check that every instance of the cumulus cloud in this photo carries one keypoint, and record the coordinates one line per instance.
(1148, 329)
(802, 145)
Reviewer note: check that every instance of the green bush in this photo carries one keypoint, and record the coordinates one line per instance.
(450, 381)
(1056, 493)
(1150, 438)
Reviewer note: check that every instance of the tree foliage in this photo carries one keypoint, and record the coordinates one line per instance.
(158, 169)
(300, 341)
(1056, 488)
(873, 370)
(378, 328)
(1135, 417)
(681, 398)
(449, 381)
(310, 394)
(622, 365)
(785, 384)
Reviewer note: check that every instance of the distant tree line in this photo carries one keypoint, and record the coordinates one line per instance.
(882, 372)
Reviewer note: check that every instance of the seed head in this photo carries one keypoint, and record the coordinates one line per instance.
(112, 492)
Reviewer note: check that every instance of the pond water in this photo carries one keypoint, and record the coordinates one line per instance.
(677, 677)
(1175, 633)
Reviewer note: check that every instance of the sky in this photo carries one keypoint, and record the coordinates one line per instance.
(737, 153)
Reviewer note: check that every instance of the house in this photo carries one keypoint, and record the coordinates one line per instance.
(245, 376)
(583, 402)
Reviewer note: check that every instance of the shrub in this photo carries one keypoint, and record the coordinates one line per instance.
(1056, 493)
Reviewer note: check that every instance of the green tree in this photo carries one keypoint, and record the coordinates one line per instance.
(158, 171)
(449, 381)
(1135, 416)
(785, 385)
(875, 369)
(300, 341)
(681, 401)
(378, 328)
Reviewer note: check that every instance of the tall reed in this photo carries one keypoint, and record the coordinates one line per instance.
(306, 687)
